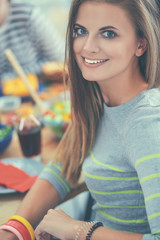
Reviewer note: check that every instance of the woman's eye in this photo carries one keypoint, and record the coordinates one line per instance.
(79, 32)
(109, 34)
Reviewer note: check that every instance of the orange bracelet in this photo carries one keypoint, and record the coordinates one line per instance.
(25, 223)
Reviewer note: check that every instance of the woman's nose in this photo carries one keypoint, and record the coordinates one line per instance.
(91, 44)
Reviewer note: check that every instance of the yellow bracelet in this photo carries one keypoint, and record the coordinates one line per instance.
(25, 223)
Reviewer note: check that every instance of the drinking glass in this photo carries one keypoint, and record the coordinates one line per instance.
(29, 134)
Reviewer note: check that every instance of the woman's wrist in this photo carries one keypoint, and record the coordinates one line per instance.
(4, 234)
(77, 226)
(86, 229)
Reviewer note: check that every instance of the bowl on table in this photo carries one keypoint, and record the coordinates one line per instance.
(58, 115)
(6, 133)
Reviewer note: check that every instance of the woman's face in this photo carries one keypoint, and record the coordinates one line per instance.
(105, 44)
(4, 5)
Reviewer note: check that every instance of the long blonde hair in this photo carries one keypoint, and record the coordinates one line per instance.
(86, 98)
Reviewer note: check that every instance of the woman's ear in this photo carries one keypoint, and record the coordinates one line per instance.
(142, 45)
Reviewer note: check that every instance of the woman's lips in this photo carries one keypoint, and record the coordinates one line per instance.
(94, 62)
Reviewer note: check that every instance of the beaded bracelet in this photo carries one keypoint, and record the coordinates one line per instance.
(92, 229)
(83, 228)
(13, 230)
(25, 223)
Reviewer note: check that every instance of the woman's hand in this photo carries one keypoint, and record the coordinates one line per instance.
(58, 224)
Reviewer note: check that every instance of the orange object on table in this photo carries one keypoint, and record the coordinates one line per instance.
(16, 86)
(15, 178)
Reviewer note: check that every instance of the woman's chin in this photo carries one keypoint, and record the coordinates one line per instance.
(90, 78)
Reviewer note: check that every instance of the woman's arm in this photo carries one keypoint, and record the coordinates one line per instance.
(103, 233)
(60, 225)
(41, 197)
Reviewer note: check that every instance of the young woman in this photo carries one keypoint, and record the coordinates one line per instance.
(113, 58)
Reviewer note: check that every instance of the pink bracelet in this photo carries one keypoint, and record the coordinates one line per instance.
(20, 228)
(13, 230)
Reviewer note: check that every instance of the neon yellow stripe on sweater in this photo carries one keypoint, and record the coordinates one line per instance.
(106, 206)
(121, 220)
(110, 178)
(60, 179)
(154, 215)
(152, 196)
(146, 158)
(157, 175)
(119, 192)
(105, 165)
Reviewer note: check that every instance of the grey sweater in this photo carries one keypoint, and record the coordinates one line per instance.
(122, 171)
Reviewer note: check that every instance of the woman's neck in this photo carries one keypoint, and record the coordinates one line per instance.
(121, 91)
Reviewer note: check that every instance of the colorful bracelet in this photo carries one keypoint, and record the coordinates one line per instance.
(92, 229)
(25, 223)
(13, 230)
(20, 228)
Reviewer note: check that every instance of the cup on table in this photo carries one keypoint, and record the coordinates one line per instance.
(29, 134)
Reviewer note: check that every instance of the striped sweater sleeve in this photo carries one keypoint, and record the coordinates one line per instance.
(52, 173)
(143, 148)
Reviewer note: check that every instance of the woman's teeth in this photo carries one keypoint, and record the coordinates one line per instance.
(94, 61)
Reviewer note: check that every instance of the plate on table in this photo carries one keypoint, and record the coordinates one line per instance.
(30, 166)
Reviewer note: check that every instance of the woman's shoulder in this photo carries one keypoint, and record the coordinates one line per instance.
(149, 102)
(146, 112)
(152, 96)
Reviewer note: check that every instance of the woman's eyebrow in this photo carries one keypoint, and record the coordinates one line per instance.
(78, 25)
(101, 29)
(108, 28)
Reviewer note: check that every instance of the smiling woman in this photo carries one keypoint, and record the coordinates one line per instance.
(113, 76)
(113, 56)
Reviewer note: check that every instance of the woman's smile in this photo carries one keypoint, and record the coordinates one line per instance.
(93, 62)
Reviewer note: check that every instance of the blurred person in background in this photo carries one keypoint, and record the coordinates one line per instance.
(30, 35)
